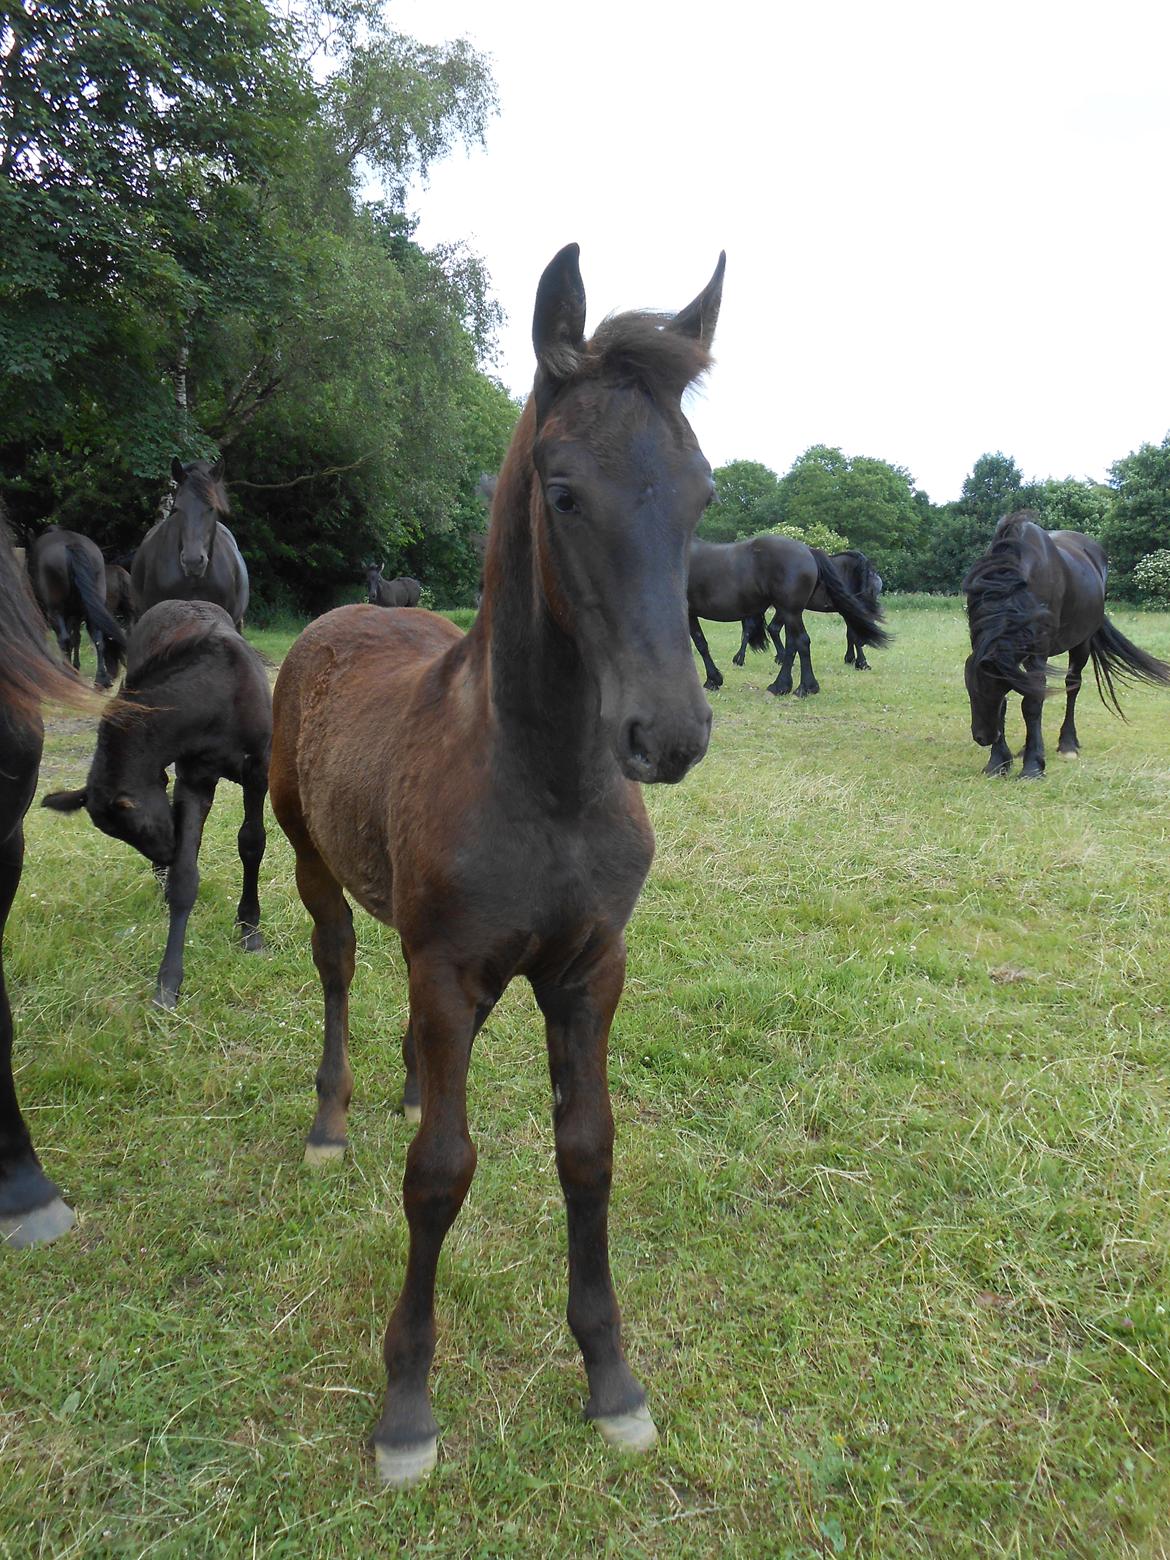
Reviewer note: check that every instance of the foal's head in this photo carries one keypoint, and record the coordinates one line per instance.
(620, 486)
(199, 502)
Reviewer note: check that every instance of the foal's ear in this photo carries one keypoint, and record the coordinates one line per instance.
(558, 321)
(178, 470)
(699, 317)
(64, 801)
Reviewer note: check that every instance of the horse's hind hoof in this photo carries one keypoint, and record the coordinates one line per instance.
(401, 1466)
(165, 1000)
(632, 1432)
(412, 1114)
(713, 687)
(325, 1153)
(38, 1227)
(1069, 753)
(253, 942)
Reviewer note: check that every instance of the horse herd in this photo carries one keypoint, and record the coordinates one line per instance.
(481, 792)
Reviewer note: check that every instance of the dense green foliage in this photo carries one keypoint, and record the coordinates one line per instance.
(191, 267)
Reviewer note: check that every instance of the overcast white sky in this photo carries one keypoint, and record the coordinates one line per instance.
(946, 224)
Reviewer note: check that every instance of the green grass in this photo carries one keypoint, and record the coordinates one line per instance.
(890, 1229)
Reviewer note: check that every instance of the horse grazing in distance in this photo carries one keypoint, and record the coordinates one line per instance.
(731, 581)
(68, 575)
(480, 793)
(32, 1210)
(1036, 594)
(399, 592)
(860, 578)
(120, 605)
(189, 554)
(196, 696)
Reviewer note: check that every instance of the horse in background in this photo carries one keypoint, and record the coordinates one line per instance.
(859, 576)
(399, 592)
(480, 793)
(196, 696)
(189, 554)
(120, 605)
(68, 575)
(32, 1210)
(731, 581)
(1035, 594)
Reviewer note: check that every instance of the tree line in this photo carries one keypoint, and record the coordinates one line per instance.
(832, 501)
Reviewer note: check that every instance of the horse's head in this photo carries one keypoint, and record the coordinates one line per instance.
(198, 504)
(142, 819)
(986, 693)
(373, 579)
(620, 486)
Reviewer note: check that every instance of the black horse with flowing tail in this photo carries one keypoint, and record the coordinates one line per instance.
(190, 555)
(1036, 594)
(860, 578)
(32, 1210)
(68, 575)
(731, 581)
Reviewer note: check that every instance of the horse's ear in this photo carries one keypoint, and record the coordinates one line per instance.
(216, 472)
(558, 323)
(64, 801)
(699, 317)
(178, 471)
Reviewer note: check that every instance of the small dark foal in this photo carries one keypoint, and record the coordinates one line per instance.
(196, 696)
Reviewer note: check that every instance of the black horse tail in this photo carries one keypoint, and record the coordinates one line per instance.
(754, 632)
(863, 621)
(1116, 656)
(94, 609)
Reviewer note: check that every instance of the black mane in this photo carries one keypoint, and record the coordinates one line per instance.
(1008, 625)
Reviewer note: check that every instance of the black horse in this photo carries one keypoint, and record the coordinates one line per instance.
(31, 1207)
(1032, 595)
(120, 606)
(190, 555)
(196, 695)
(731, 581)
(860, 578)
(68, 575)
(400, 592)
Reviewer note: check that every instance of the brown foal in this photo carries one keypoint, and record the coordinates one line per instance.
(479, 793)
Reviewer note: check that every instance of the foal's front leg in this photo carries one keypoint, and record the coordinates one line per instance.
(191, 806)
(577, 1019)
(440, 1163)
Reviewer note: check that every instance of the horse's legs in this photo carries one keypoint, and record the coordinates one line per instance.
(740, 655)
(714, 675)
(776, 641)
(74, 655)
(411, 1094)
(334, 947)
(850, 647)
(783, 682)
(1033, 754)
(577, 1019)
(808, 682)
(856, 648)
(1069, 747)
(103, 678)
(439, 1166)
(191, 806)
(250, 842)
(31, 1209)
(1000, 759)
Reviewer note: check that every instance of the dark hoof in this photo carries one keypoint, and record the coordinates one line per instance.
(780, 693)
(38, 1227)
(253, 941)
(165, 998)
(737, 660)
(862, 666)
(1031, 774)
(713, 687)
(1003, 767)
(401, 1466)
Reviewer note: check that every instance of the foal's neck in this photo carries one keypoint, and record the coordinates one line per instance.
(545, 704)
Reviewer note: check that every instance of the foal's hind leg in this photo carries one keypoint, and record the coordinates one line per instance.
(577, 1019)
(191, 806)
(1069, 747)
(250, 842)
(334, 947)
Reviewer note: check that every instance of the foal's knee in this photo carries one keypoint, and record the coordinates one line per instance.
(585, 1150)
(439, 1168)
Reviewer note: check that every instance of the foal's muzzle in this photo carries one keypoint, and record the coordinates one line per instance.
(654, 751)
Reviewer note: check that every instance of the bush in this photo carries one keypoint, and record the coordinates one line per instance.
(1151, 578)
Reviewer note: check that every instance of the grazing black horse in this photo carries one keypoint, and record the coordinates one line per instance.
(860, 578)
(190, 555)
(730, 581)
(400, 592)
(196, 695)
(1035, 594)
(68, 575)
(31, 1207)
(120, 606)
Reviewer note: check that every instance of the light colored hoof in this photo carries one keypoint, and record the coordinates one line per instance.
(633, 1432)
(401, 1466)
(1062, 754)
(324, 1153)
(39, 1227)
(412, 1114)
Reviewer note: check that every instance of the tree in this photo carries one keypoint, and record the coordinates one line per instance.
(995, 488)
(747, 500)
(1139, 521)
(1073, 505)
(872, 502)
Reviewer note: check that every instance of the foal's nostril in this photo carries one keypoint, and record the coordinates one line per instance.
(637, 746)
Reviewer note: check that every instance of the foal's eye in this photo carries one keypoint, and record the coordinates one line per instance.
(562, 500)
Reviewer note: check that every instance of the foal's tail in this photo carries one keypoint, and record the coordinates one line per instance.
(754, 633)
(97, 614)
(1116, 656)
(864, 620)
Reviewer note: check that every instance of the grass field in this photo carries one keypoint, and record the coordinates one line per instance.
(890, 1229)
